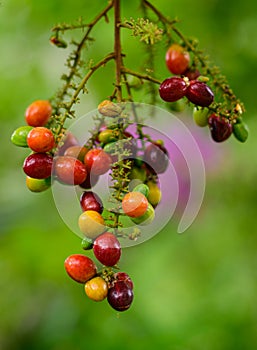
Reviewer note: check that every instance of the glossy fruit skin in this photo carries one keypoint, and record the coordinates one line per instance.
(123, 276)
(220, 128)
(146, 218)
(91, 224)
(97, 161)
(19, 136)
(199, 93)
(177, 59)
(173, 89)
(38, 165)
(240, 131)
(200, 116)
(107, 249)
(156, 157)
(155, 195)
(38, 185)
(77, 152)
(120, 296)
(38, 113)
(80, 268)
(142, 188)
(91, 201)
(96, 289)
(40, 139)
(134, 204)
(69, 170)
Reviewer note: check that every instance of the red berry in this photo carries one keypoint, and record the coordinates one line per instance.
(220, 128)
(156, 157)
(80, 268)
(69, 170)
(38, 113)
(40, 139)
(91, 201)
(107, 249)
(38, 165)
(177, 59)
(199, 93)
(123, 276)
(97, 161)
(172, 89)
(120, 296)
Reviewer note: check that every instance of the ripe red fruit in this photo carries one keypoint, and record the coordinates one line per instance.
(38, 165)
(199, 93)
(177, 59)
(120, 296)
(220, 128)
(69, 170)
(38, 113)
(107, 249)
(123, 276)
(156, 157)
(80, 268)
(91, 201)
(40, 139)
(97, 161)
(172, 89)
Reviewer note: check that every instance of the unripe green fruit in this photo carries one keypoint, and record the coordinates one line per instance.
(240, 131)
(107, 136)
(19, 136)
(38, 185)
(110, 148)
(200, 116)
(87, 243)
(155, 195)
(142, 188)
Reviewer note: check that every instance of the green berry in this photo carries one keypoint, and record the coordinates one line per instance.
(19, 136)
(240, 131)
(142, 188)
(200, 116)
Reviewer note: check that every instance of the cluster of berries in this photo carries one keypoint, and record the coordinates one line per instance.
(72, 164)
(188, 83)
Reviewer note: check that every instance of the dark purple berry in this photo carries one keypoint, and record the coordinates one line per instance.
(220, 128)
(199, 93)
(173, 89)
(91, 201)
(38, 165)
(156, 157)
(120, 296)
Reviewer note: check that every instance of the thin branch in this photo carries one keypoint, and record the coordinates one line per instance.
(141, 76)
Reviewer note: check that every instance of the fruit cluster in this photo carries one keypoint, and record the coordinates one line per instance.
(188, 83)
(134, 167)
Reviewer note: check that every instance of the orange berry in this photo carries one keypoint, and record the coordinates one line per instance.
(38, 113)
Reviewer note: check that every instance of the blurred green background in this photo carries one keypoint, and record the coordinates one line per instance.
(195, 291)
